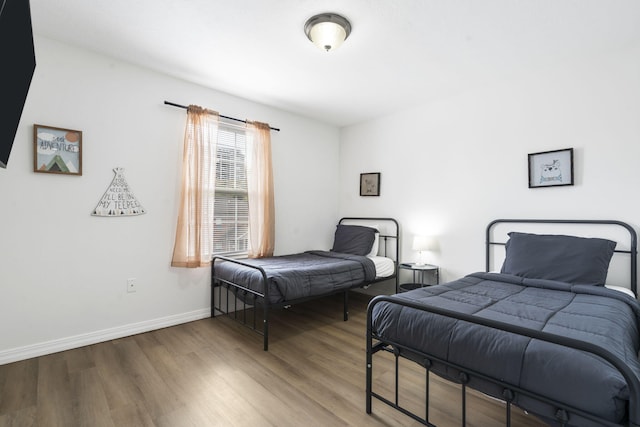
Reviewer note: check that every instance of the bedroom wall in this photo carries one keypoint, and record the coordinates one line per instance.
(450, 167)
(63, 271)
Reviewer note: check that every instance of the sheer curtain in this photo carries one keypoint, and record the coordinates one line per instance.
(260, 189)
(194, 233)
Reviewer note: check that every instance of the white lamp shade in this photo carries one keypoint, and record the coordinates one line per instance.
(327, 35)
(423, 243)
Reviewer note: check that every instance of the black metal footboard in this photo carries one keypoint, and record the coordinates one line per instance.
(563, 412)
(245, 294)
(254, 299)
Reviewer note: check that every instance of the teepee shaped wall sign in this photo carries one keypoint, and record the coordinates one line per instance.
(118, 200)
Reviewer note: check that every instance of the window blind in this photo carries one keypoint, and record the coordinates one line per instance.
(231, 209)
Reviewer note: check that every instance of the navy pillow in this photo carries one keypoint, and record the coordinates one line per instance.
(353, 239)
(570, 259)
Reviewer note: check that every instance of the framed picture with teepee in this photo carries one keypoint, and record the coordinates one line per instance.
(57, 150)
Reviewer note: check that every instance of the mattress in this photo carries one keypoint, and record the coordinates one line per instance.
(604, 317)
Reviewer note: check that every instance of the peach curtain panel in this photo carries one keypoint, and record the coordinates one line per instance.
(194, 233)
(260, 189)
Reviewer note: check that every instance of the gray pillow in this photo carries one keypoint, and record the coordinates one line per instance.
(353, 239)
(570, 259)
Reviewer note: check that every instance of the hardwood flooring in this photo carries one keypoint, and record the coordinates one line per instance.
(213, 372)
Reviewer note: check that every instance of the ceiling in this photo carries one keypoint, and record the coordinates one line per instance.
(400, 53)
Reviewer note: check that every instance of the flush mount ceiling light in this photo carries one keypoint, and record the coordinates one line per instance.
(327, 30)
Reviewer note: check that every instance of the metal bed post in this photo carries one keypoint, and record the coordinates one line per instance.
(396, 357)
(427, 366)
(213, 292)
(369, 367)
(235, 306)
(464, 379)
(265, 306)
(265, 327)
(345, 309)
(213, 288)
(508, 396)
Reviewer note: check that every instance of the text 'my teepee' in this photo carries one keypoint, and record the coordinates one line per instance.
(118, 200)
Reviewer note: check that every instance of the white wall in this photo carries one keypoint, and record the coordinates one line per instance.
(450, 167)
(63, 272)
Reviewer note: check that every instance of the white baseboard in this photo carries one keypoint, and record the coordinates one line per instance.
(54, 346)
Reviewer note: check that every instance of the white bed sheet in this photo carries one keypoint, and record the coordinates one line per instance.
(385, 267)
(621, 289)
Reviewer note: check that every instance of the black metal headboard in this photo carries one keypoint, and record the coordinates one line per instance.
(633, 240)
(389, 236)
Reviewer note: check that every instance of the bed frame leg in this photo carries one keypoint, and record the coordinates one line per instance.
(396, 355)
(508, 397)
(345, 314)
(369, 375)
(213, 299)
(562, 416)
(369, 362)
(427, 369)
(265, 328)
(464, 379)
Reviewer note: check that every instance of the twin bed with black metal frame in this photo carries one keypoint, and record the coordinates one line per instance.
(544, 334)
(365, 251)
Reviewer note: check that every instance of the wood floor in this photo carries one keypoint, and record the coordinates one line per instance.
(213, 372)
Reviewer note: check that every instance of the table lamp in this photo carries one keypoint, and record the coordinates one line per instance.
(422, 244)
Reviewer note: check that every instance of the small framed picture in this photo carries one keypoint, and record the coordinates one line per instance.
(57, 150)
(551, 168)
(370, 184)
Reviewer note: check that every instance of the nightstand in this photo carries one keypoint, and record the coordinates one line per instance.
(421, 272)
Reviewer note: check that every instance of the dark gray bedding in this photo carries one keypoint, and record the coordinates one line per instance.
(302, 275)
(591, 313)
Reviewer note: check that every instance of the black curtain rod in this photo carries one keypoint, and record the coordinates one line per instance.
(173, 104)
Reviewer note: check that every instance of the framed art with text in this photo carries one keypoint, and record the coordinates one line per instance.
(57, 150)
(551, 168)
(370, 184)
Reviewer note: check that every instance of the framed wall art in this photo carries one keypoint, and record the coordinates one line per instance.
(370, 184)
(551, 168)
(57, 150)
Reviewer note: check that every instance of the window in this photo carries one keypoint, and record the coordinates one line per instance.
(231, 208)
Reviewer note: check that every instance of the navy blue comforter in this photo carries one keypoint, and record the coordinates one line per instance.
(590, 313)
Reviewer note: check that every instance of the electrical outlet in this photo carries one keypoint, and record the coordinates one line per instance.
(131, 285)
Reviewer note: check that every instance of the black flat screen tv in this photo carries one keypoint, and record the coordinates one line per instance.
(18, 60)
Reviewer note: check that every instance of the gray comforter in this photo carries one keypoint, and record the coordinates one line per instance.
(307, 274)
(591, 313)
